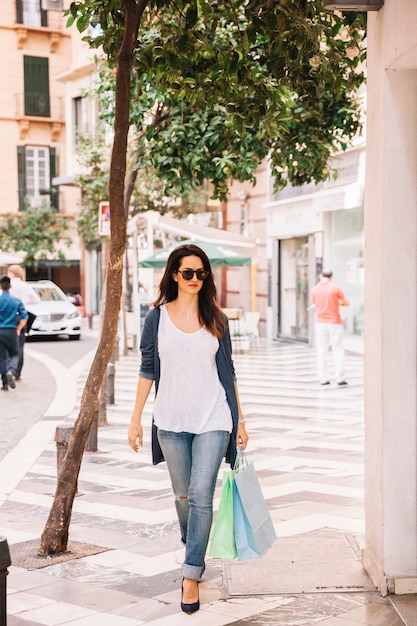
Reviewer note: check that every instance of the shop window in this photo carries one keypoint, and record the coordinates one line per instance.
(347, 263)
(294, 288)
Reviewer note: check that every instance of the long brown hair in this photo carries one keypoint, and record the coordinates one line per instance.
(209, 311)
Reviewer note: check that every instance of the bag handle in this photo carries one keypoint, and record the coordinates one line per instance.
(241, 460)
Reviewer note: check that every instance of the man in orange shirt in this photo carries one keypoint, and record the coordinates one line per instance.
(326, 298)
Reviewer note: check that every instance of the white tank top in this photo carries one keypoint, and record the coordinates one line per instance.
(190, 395)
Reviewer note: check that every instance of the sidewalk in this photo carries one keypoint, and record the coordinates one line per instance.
(124, 566)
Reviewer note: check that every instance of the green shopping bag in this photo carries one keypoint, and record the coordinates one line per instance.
(223, 544)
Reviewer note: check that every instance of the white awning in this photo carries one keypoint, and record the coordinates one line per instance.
(9, 259)
(185, 229)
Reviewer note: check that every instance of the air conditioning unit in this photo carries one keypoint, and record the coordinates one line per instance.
(52, 5)
(353, 5)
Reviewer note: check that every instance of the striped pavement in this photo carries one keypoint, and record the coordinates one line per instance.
(306, 442)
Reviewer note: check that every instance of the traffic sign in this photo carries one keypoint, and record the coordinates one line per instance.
(104, 219)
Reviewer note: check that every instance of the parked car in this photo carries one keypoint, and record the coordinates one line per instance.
(55, 314)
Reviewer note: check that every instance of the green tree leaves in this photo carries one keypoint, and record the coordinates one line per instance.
(236, 81)
(36, 231)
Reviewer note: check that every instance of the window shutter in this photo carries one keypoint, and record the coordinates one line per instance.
(21, 176)
(19, 11)
(44, 15)
(53, 171)
(36, 72)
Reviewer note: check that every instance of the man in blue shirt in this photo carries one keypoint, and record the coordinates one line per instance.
(13, 318)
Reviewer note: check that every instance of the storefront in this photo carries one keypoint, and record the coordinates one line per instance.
(308, 228)
(293, 265)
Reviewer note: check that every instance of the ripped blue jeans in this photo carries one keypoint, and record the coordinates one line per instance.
(193, 463)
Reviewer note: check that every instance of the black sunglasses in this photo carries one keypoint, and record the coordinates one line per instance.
(188, 274)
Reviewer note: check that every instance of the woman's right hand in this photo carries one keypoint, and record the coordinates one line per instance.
(135, 436)
(135, 433)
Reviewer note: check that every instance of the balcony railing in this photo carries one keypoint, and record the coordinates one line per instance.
(32, 104)
(30, 14)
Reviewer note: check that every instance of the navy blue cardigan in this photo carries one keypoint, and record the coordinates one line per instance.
(150, 369)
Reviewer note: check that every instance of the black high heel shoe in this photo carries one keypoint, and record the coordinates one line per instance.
(189, 608)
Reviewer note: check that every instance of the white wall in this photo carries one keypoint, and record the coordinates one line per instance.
(390, 554)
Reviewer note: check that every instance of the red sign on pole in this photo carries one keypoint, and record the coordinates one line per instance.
(104, 219)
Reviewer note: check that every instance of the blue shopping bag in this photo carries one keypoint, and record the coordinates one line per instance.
(253, 527)
(246, 545)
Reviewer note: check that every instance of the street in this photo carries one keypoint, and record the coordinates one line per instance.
(63, 350)
(22, 407)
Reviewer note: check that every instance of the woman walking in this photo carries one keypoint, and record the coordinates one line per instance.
(186, 350)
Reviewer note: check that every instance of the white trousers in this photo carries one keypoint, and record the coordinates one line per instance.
(330, 335)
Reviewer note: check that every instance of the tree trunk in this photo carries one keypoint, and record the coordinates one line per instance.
(55, 534)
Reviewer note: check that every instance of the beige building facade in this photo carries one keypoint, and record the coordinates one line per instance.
(245, 214)
(81, 114)
(35, 47)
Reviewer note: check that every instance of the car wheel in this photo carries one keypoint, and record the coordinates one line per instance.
(74, 337)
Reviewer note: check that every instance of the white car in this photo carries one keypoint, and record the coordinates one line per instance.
(55, 314)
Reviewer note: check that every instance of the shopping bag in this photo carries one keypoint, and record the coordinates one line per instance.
(246, 545)
(29, 323)
(223, 540)
(254, 530)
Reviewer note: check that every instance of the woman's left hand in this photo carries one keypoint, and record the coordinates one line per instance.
(242, 436)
